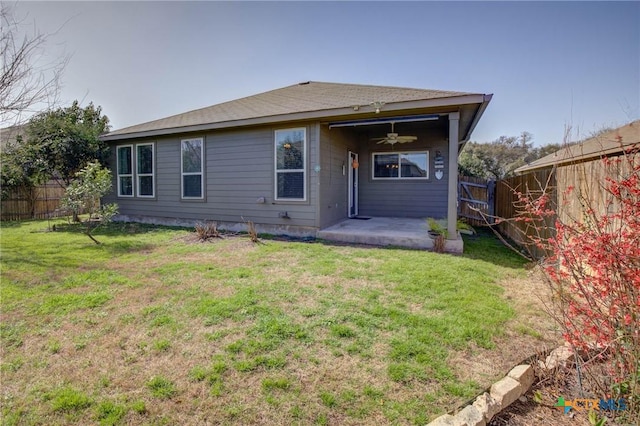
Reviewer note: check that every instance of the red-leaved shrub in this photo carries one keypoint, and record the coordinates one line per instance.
(593, 269)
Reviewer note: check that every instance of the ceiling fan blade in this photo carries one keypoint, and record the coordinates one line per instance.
(404, 139)
(394, 138)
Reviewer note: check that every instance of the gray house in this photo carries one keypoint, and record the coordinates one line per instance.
(298, 159)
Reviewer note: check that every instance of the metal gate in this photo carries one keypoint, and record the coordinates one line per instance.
(476, 198)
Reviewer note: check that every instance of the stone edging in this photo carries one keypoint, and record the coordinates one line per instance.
(503, 392)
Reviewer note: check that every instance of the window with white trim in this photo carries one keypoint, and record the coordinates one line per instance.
(192, 168)
(125, 170)
(401, 165)
(290, 164)
(144, 170)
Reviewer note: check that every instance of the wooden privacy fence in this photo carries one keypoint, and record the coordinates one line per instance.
(40, 202)
(508, 207)
(481, 201)
(589, 183)
(587, 179)
(476, 194)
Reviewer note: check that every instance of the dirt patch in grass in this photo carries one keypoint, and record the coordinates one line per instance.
(532, 331)
(193, 238)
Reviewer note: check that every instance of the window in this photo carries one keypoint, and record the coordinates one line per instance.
(192, 182)
(125, 171)
(144, 170)
(401, 165)
(144, 177)
(290, 159)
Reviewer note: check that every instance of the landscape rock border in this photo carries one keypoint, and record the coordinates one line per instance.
(504, 392)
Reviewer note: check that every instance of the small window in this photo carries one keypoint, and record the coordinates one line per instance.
(192, 166)
(290, 159)
(125, 171)
(144, 171)
(401, 165)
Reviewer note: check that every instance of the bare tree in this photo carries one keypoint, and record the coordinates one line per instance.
(28, 81)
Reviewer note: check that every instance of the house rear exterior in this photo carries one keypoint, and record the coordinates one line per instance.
(298, 159)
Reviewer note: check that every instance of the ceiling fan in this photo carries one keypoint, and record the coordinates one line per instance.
(393, 138)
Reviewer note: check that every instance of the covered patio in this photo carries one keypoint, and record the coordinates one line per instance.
(387, 231)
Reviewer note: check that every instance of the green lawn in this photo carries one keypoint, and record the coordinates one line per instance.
(152, 327)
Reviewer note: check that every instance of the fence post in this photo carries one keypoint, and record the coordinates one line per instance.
(491, 200)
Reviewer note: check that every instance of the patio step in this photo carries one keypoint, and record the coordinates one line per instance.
(399, 232)
(377, 240)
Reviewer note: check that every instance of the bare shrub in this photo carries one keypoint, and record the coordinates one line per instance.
(206, 230)
(251, 230)
(438, 243)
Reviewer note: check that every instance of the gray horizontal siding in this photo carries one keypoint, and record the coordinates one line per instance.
(391, 198)
(335, 146)
(402, 198)
(239, 169)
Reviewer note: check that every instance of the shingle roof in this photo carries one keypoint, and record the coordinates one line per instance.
(299, 98)
(9, 135)
(612, 142)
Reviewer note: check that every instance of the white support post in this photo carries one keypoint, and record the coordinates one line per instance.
(452, 199)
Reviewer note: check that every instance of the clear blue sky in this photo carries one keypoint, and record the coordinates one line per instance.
(548, 64)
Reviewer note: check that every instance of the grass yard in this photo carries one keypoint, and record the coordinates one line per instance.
(152, 327)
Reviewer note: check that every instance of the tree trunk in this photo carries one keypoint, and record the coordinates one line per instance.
(92, 239)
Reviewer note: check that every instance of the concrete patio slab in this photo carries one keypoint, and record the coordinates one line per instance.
(387, 231)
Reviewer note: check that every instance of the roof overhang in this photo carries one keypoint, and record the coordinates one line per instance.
(476, 118)
(328, 114)
(369, 121)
